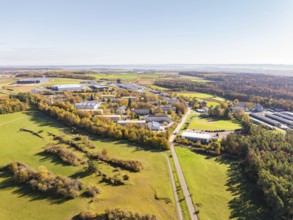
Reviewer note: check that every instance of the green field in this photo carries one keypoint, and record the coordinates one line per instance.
(199, 123)
(57, 81)
(22, 203)
(218, 188)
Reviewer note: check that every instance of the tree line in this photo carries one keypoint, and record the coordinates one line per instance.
(11, 105)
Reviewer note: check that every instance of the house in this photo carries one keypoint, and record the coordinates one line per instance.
(68, 87)
(158, 118)
(32, 80)
(114, 118)
(258, 108)
(142, 111)
(133, 122)
(193, 136)
(155, 126)
(89, 106)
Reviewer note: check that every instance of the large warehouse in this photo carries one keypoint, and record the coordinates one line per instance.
(193, 136)
(68, 87)
(32, 80)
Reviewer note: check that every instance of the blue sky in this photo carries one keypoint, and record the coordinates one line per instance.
(66, 32)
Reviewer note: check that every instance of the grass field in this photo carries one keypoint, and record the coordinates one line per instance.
(198, 123)
(21, 203)
(219, 189)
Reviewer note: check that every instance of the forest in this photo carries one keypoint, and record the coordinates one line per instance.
(268, 90)
(267, 160)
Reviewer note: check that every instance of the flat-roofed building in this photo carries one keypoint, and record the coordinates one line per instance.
(193, 136)
(158, 118)
(87, 105)
(155, 126)
(100, 88)
(111, 117)
(68, 87)
(127, 122)
(142, 111)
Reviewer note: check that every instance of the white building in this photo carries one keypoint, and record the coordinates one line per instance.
(68, 87)
(87, 105)
(111, 117)
(133, 122)
(193, 136)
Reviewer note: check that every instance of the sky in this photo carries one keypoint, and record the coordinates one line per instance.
(94, 32)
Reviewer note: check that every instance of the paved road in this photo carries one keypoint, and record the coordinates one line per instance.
(178, 207)
(183, 184)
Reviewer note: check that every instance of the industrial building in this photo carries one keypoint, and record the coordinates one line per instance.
(265, 119)
(68, 87)
(32, 80)
(193, 136)
(100, 88)
(277, 118)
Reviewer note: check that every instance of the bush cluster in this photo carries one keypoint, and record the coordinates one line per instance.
(115, 214)
(44, 181)
(65, 155)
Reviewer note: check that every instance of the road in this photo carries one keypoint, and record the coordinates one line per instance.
(183, 184)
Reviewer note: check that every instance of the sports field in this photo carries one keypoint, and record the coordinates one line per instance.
(22, 203)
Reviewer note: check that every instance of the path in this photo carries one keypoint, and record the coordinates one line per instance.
(178, 207)
(181, 178)
(11, 121)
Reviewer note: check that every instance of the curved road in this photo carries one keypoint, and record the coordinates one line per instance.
(183, 184)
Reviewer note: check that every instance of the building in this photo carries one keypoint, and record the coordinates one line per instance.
(193, 136)
(132, 122)
(106, 97)
(90, 106)
(258, 108)
(168, 108)
(241, 106)
(121, 109)
(142, 111)
(132, 98)
(68, 87)
(100, 88)
(171, 100)
(111, 117)
(158, 118)
(32, 80)
(155, 126)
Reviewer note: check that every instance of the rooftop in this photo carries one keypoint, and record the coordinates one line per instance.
(195, 135)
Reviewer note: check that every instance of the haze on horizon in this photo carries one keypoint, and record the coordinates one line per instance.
(75, 32)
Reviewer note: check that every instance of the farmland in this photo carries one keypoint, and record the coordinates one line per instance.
(27, 148)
